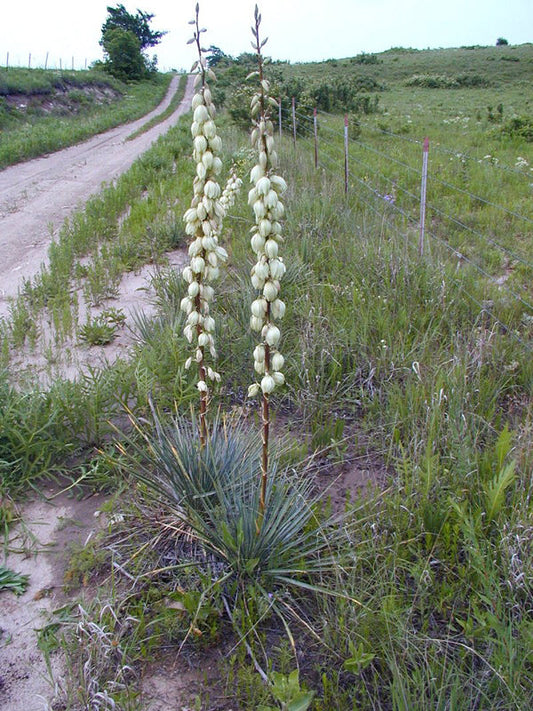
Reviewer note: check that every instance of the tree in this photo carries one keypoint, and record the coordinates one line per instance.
(139, 24)
(215, 55)
(501, 42)
(124, 57)
(124, 37)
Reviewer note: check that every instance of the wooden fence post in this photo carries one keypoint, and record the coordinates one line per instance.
(346, 171)
(279, 116)
(294, 121)
(423, 190)
(29, 60)
(46, 61)
(7, 61)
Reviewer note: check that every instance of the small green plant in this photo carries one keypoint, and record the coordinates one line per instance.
(10, 580)
(102, 329)
(288, 693)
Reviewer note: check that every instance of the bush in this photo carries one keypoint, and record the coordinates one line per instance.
(29, 436)
(519, 127)
(364, 58)
(215, 490)
(125, 60)
(443, 81)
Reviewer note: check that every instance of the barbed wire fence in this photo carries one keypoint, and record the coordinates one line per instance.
(400, 200)
(43, 60)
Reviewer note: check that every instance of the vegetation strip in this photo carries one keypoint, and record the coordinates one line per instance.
(174, 103)
(28, 135)
(417, 594)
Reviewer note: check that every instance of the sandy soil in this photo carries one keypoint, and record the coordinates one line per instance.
(39, 547)
(36, 196)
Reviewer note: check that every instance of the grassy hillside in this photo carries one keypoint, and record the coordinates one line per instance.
(45, 110)
(495, 66)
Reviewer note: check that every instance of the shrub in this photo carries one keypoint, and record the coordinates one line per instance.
(519, 127)
(364, 58)
(124, 58)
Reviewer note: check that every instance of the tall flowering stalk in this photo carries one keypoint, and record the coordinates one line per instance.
(203, 221)
(267, 308)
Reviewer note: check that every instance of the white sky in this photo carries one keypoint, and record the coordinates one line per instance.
(299, 30)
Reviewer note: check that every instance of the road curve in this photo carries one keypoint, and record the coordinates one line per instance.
(37, 196)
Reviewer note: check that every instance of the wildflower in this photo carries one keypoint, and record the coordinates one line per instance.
(265, 201)
(203, 221)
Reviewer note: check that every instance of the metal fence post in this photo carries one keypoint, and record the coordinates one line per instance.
(346, 171)
(423, 190)
(294, 121)
(315, 131)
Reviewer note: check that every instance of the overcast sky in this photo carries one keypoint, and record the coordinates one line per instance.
(299, 30)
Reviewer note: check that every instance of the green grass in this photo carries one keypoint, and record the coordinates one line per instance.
(31, 133)
(425, 362)
(175, 102)
(17, 80)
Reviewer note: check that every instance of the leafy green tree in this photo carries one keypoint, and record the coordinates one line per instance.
(139, 24)
(124, 37)
(215, 55)
(124, 58)
(501, 42)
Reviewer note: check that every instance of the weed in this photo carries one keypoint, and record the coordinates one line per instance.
(102, 329)
(9, 580)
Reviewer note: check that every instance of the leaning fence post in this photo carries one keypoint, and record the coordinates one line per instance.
(315, 131)
(346, 154)
(423, 189)
(29, 60)
(294, 121)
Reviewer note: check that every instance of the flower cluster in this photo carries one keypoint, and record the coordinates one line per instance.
(264, 198)
(230, 192)
(203, 222)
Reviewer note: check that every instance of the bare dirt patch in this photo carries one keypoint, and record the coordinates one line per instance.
(48, 360)
(63, 101)
(39, 547)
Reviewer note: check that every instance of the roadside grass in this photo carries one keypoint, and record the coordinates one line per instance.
(19, 80)
(176, 100)
(32, 133)
(404, 349)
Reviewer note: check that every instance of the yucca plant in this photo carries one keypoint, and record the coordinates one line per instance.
(216, 490)
(267, 308)
(203, 222)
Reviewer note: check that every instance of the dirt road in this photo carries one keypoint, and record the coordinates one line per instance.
(36, 196)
